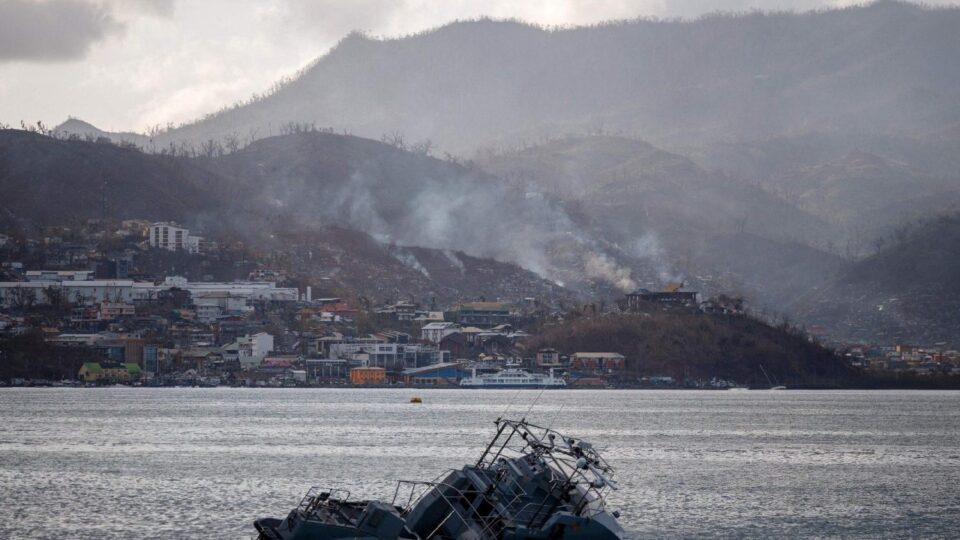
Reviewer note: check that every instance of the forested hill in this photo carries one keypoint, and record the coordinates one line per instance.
(686, 344)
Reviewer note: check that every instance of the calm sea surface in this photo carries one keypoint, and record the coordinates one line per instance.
(203, 463)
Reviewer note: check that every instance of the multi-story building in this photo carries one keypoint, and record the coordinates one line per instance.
(249, 350)
(173, 237)
(484, 314)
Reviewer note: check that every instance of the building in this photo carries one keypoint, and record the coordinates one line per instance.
(671, 294)
(598, 361)
(368, 375)
(109, 372)
(249, 351)
(59, 275)
(211, 305)
(248, 291)
(484, 314)
(110, 311)
(435, 332)
(548, 358)
(150, 359)
(173, 237)
(446, 373)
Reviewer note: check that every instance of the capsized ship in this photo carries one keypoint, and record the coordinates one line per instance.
(530, 483)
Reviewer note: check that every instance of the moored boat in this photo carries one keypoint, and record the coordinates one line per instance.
(513, 378)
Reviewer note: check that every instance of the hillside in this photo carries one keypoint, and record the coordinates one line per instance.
(862, 190)
(883, 68)
(908, 292)
(50, 182)
(412, 199)
(690, 345)
(47, 181)
(713, 231)
(350, 263)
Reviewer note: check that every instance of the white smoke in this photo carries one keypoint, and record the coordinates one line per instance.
(600, 266)
(408, 259)
(454, 260)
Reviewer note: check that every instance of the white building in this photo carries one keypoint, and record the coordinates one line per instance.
(59, 275)
(248, 290)
(435, 332)
(89, 292)
(211, 305)
(173, 237)
(249, 350)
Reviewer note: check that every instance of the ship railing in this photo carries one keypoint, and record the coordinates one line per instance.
(487, 522)
(562, 455)
(323, 497)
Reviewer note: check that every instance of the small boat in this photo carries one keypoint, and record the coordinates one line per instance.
(513, 378)
(774, 384)
(529, 483)
(416, 399)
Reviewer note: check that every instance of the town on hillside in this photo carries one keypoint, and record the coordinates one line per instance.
(139, 303)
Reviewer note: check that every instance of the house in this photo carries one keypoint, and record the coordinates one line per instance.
(598, 361)
(109, 372)
(249, 350)
(110, 311)
(368, 375)
(548, 358)
(671, 294)
(484, 314)
(435, 332)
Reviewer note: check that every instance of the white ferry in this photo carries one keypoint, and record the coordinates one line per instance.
(513, 378)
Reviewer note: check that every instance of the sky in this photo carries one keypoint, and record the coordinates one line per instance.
(127, 65)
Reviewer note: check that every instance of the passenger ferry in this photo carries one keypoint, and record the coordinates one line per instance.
(513, 378)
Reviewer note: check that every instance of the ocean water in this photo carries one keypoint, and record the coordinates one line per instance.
(203, 463)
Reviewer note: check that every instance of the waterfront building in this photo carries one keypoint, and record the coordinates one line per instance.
(368, 375)
(598, 360)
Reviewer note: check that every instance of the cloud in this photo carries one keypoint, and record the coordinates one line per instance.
(53, 30)
(64, 30)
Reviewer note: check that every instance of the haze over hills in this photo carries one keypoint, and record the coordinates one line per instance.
(53, 182)
(759, 154)
(907, 291)
(885, 68)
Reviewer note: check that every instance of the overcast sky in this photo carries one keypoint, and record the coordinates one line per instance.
(131, 64)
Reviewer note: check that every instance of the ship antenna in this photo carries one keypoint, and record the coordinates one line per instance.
(509, 404)
(544, 387)
(555, 415)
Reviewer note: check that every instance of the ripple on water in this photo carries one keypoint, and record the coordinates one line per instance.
(161, 463)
